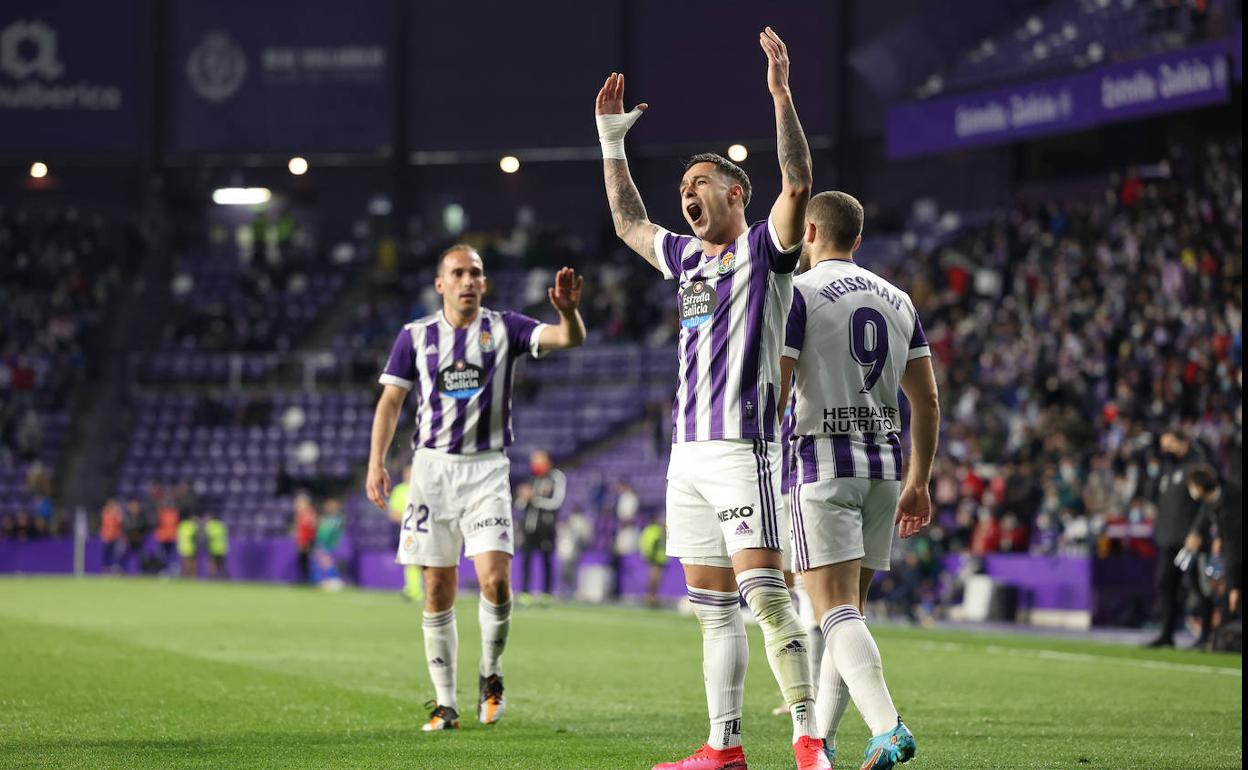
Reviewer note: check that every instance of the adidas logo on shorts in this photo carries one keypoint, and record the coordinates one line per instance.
(743, 529)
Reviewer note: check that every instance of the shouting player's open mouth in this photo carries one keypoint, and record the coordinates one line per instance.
(694, 211)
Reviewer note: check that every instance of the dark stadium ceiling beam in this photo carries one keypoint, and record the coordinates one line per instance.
(594, 152)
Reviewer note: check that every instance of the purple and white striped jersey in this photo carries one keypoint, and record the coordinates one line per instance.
(788, 463)
(462, 377)
(732, 309)
(852, 333)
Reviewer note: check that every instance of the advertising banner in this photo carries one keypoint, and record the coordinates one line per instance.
(73, 76)
(1195, 77)
(281, 76)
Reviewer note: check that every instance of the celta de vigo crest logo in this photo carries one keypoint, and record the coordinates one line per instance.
(216, 67)
(27, 49)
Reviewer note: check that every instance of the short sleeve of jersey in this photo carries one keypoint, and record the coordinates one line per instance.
(668, 248)
(918, 341)
(767, 245)
(795, 328)
(401, 367)
(523, 334)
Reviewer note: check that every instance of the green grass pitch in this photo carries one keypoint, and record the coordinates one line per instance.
(102, 673)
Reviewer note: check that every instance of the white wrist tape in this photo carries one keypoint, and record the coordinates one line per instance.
(611, 131)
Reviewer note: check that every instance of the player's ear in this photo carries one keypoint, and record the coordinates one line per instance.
(857, 243)
(735, 193)
(810, 232)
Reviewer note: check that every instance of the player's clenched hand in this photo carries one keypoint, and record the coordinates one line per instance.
(777, 61)
(378, 486)
(914, 510)
(565, 296)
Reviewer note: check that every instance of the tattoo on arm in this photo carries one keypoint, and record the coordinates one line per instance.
(792, 148)
(628, 213)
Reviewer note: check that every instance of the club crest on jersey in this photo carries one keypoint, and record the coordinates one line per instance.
(697, 304)
(487, 342)
(726, 262)
(461, 380)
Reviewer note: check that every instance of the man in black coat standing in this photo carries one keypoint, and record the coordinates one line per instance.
(1176, 518)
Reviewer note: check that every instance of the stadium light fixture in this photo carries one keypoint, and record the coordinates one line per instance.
(241, 196)
(298, 166)
(738, 153)
(38, 170)
(510, 164)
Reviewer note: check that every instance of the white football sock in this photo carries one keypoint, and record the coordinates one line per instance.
(495, 620)
(725, 655)
(806, 614)
(787, 648)
(441, 643)
(832, 699)
(858, 662)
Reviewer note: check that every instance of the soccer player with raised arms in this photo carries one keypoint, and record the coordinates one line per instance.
(459, 361)
(734, 287)
(853, 339)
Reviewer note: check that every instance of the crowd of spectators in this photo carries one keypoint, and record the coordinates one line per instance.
(59, 269)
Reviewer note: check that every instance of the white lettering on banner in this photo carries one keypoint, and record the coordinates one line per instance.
(28, 50)
(1136, 88)
(985, 119)
(1191, 76)
(352, 63)
(1041, 107)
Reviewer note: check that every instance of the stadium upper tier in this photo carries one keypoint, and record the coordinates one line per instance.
(1073, 34)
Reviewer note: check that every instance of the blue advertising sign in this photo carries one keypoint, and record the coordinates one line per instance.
(1195, 77)
(281, 76)
(72, 76)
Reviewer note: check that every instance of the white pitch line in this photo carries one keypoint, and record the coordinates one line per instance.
(1081, 657)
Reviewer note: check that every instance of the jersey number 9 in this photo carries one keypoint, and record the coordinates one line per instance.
(868, 341)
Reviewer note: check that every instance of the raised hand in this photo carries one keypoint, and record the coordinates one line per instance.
(914, 510)
(565, 296)
(777, 61)
(611, 97)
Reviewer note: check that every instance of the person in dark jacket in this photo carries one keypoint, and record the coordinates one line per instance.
(1221, 523)
(1176, 518)
(542, 497)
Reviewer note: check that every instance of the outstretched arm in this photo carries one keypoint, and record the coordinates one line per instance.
(628, 213)
(565, 297)
(788, 214)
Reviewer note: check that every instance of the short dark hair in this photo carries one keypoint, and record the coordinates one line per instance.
(451, 250)
(732, 170)
(838, 218)
(1203, 476)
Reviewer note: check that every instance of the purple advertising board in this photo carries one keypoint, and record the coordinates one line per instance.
(1195, 77)
(281, 76)
(72, 76)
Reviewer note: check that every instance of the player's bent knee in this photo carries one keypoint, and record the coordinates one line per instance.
(496, 587)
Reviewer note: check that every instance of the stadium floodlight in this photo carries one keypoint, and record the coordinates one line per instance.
(510, 164)
(738, 153)
(241, 196)
(38, 170)
(298, 166)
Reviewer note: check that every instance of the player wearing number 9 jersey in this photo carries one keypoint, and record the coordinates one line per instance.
(853, 339)
(459, 362)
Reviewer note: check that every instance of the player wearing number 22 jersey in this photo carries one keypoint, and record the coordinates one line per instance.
(458, 362)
